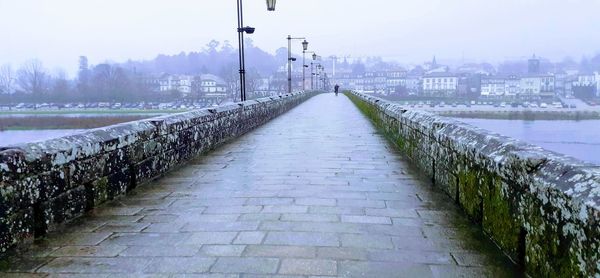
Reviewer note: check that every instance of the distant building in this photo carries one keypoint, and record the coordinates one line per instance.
(396, 80)
(587, 85)
(493, 86)
(440, 84)
(533, 65)
(512, 86)
(212, 86)
(179, 83)
(413, 84)
(537, 86)
(380, 82)
(369, 82)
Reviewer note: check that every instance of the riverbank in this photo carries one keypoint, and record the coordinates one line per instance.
(89, 112)
(62, 122)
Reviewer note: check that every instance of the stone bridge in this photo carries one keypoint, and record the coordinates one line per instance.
(316, 192)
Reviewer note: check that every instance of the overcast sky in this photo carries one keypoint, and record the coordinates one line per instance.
(409, 31)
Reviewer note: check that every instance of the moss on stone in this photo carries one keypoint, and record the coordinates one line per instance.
(100, 188)
(499, 217)
(469, 197)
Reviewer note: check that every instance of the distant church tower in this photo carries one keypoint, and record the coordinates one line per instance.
(433, 63)
(533, 65)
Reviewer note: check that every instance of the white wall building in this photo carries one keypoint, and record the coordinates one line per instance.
(440, 84)
(493, 86)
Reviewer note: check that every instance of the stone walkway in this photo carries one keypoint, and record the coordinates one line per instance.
(315, 192)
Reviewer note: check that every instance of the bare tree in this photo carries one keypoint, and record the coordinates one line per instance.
(231, 76)
(7, 79)
(253, 82)
(32, 78)
(60, 87)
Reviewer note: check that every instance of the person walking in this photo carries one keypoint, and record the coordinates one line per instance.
(336, 89)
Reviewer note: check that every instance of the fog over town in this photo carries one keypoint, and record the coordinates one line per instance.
(409, 32)
(312, 138)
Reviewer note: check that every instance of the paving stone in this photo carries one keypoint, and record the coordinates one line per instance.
(164, 218)
(280, 251)
(306, 217)
(366, 219)
(222, 250)
(270, 201)
(108, 210)
(179, 265)
(89, 251)
(207, 275)
(285, 209)
(95, 265)
(417, 257)
(210, 238)
(336, 210)
(255, 237)
(366, 241)
(145, 239)
(308, 267)
(407, 213)
(220, 226)
(361, 203)
(232, 209)
(22, 264)
(164, 228)
(122, 227)
(461, 271)
(383, 269)
(315, 202)
(246, 265)
(86, 239)
(259, 217)
(342, 253)
(160, 251)
(302, 239)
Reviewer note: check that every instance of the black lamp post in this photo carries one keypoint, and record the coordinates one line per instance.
(290, 60)
(306, 67)
(304, 48)
(249, 30)
(271, 5)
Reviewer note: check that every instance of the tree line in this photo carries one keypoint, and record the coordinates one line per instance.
(133, 80)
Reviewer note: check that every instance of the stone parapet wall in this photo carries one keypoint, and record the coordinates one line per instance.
(541, 208)
(48, 183)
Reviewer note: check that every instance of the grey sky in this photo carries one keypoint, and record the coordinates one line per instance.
(58, 31)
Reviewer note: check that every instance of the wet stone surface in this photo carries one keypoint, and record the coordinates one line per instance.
(316, 192)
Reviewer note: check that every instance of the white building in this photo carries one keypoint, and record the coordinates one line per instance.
(440, 84)
(493, 86)
(535, 86)
(212, 86)
(512, 86)
(590, 80)
(395, 79)
(180, 83)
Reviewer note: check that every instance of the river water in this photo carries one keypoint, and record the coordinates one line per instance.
(12, 137)
(579, 139)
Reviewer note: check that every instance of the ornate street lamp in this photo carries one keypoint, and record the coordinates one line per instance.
(271, 5)
(304, 48)
(290, 60)
(248, 30)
